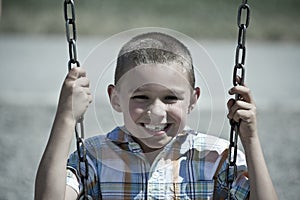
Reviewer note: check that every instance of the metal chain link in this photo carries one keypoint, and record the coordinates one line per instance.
(69, 15)
(243, 19)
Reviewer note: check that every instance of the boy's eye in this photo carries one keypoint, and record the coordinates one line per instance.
(171, 98)
(140, 97)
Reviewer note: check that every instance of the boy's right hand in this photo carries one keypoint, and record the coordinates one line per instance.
(75, 95)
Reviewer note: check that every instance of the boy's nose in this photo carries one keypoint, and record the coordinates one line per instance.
(157, 112)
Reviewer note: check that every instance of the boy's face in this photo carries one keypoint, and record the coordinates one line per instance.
(155, 100)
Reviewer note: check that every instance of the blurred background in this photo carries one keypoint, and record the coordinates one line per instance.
(270, 20)
(34, 55)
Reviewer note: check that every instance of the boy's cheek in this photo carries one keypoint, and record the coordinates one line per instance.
(136, 109)
(180, 109)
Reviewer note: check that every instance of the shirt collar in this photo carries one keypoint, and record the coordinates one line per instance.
(185, 141)
(123, 138)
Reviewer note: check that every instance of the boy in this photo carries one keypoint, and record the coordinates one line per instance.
(154, 155)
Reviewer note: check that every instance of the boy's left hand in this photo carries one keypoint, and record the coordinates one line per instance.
(243, 111)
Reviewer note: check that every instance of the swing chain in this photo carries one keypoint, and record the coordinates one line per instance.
(69, 15)
(71, 33)
(243, 20)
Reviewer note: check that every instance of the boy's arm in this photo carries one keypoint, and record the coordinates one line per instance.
(261, 186)
(74, 100)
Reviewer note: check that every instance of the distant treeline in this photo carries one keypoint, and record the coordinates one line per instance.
(270, 19)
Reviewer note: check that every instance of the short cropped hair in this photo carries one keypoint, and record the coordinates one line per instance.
(157, 48)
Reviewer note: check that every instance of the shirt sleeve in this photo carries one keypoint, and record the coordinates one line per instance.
(72, 180)
(241, 186)
(73, 177)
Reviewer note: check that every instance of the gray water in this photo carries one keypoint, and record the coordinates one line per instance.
(33, 68)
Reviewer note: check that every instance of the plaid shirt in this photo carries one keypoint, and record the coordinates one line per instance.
(184, 169)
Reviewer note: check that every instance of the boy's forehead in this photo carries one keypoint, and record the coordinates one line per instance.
(166, 75)
(154, 86)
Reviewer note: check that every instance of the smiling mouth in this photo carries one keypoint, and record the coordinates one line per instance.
(156, 127)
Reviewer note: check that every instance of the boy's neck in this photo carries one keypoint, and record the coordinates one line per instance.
(150, 153)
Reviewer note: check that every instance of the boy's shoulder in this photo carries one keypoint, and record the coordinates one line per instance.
(191, 139)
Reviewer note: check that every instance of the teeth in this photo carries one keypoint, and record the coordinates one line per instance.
(155, 127)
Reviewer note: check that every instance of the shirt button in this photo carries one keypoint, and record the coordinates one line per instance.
(155, 175)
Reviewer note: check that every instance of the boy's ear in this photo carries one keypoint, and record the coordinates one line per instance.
(194, 98)
(114, 98)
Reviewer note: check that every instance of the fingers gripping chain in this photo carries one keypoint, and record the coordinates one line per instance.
(238, 79)
(69, 15)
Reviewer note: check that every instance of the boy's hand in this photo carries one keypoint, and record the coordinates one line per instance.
(75, 94)
(243, 111)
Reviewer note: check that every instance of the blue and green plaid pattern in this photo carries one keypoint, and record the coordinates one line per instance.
(184, 169)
